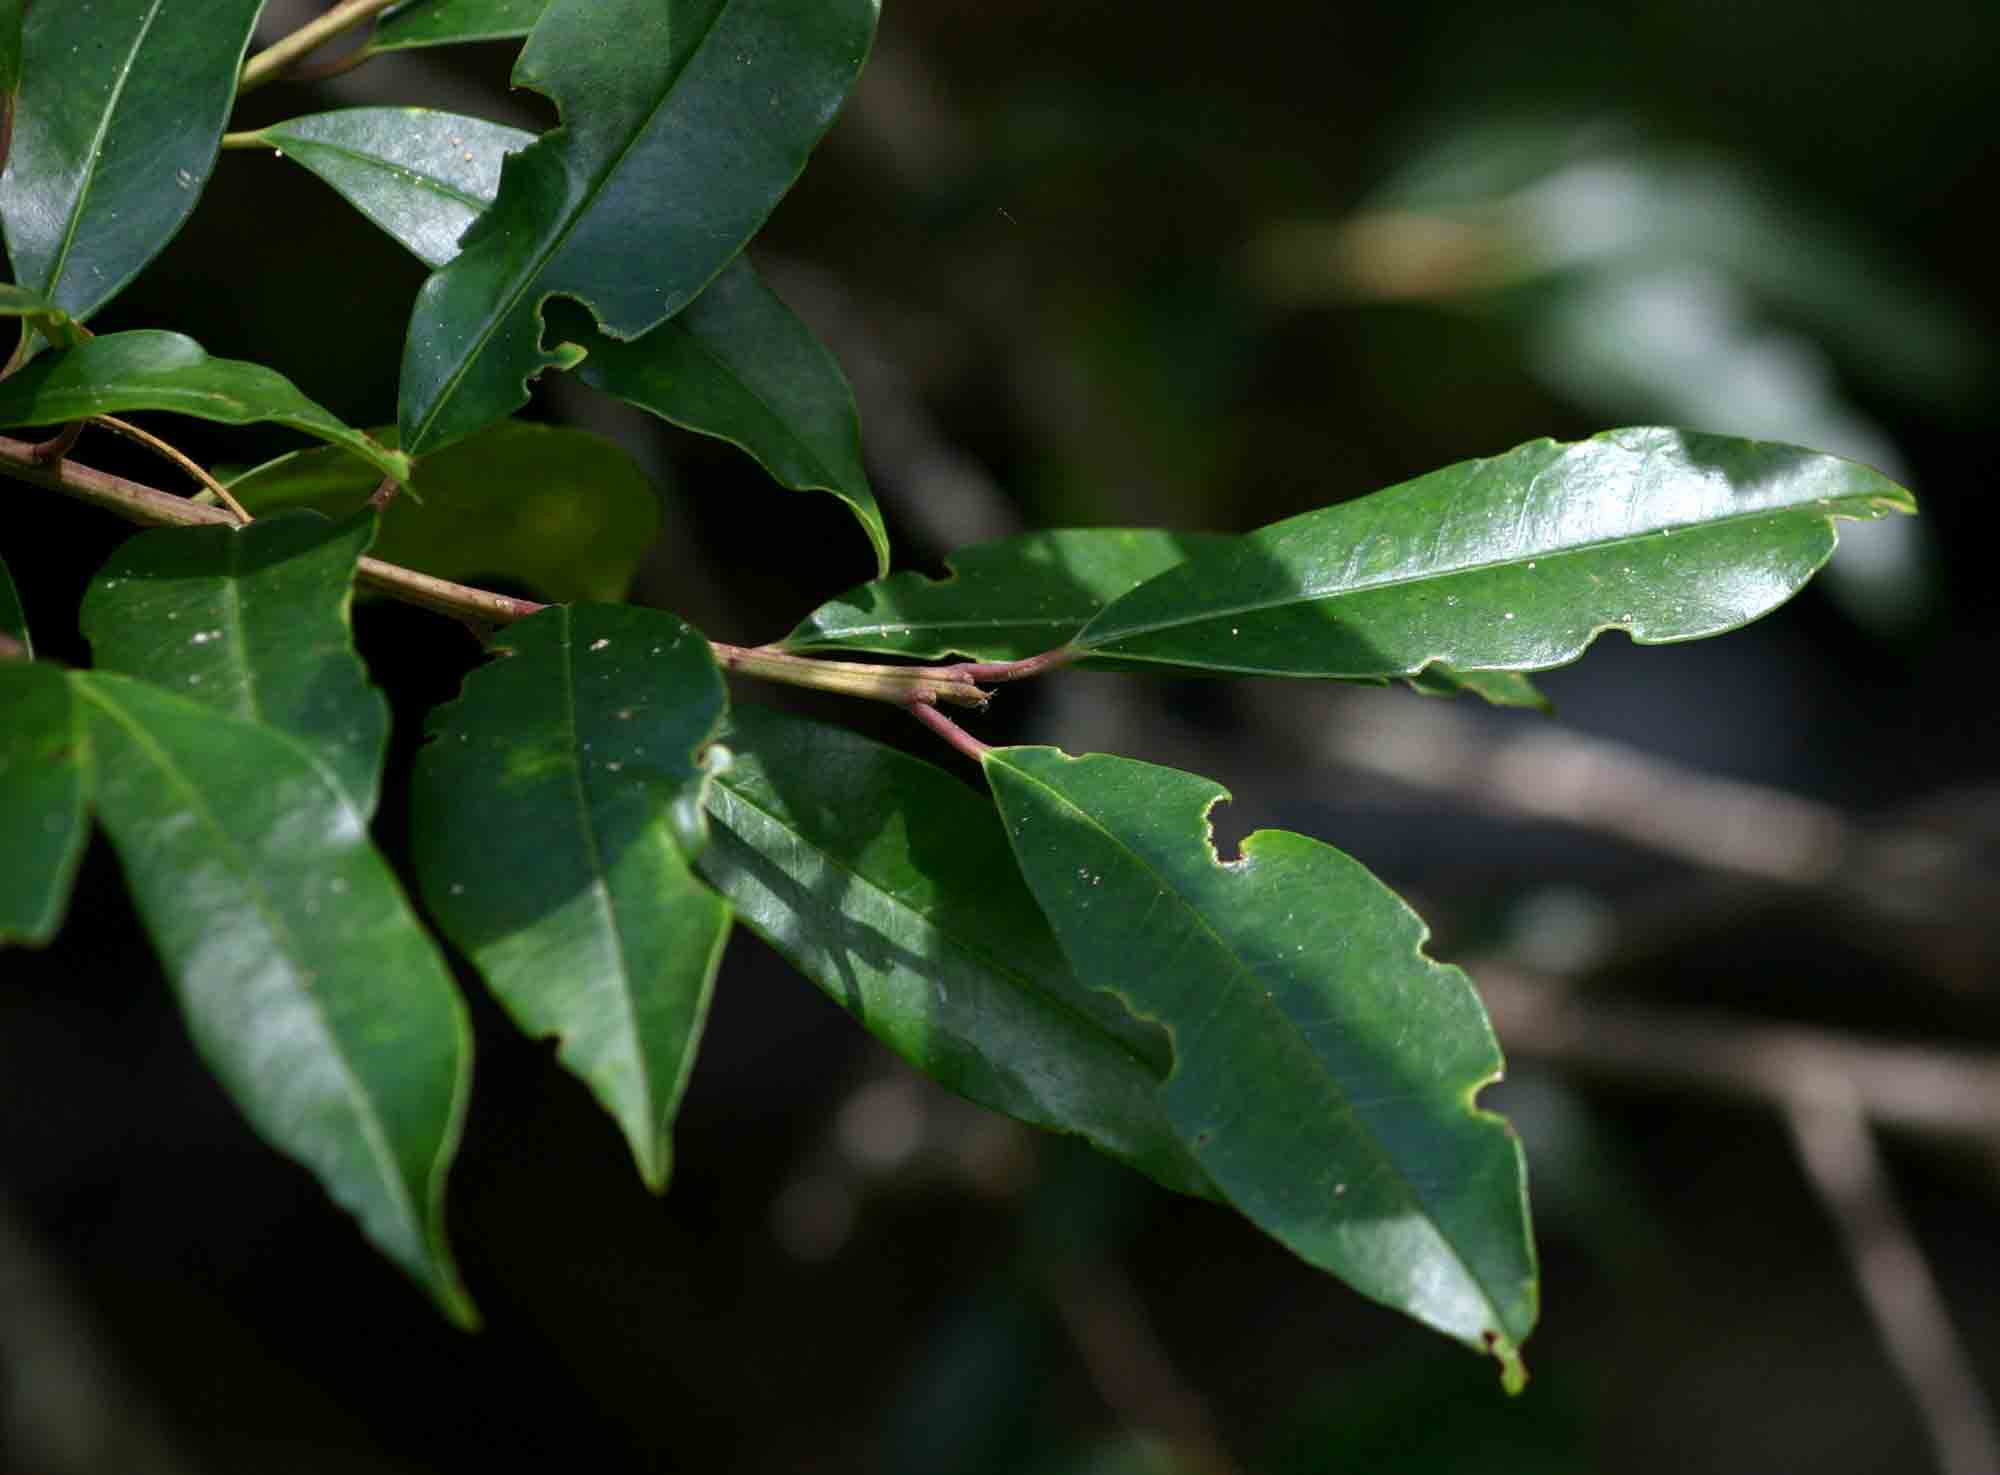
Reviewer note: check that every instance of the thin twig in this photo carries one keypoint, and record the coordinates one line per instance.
(918, 687)
(1830, 1130)
(950, 731)
(1916, 1088)
(61, 443)
(384, 493)
(275, 58)
(1129, 1366)
(186, 462)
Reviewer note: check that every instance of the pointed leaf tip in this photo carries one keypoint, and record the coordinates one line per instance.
(1324, 1067)
(550, 826)
(1512, 563)
(640, 198)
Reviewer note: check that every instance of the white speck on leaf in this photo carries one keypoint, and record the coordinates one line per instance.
(599, 643)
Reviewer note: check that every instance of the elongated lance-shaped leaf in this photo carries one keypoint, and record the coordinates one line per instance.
(568, 513)
(556, 815)
(120, 116)
(151, 370)
(648, 189)
(251, 621)
(1018, 597)
(1324, 1069)
(1001, 601)
(1514, 563)
(888, 883)
(311, 990)
(44, 773)
(422, 176)
(737, 364)
(449, 22)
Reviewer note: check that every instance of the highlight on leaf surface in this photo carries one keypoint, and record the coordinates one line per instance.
(736, 363)
(1324, 1069)
(311, 989)
(556, 816)
(1514, 563)
(147, 369)
(647, 190)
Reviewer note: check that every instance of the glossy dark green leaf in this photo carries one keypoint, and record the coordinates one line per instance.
(1324, 1069)
(887, 882)
(150, 370)
(1001, 601)
(555, 816)
(311, 990)
(649, 188)
(422, 176)
(37, 312)
(448, 22)
(44, 768)
(252, 622)
(1515, 563)
(563, 511)
(735, 363)
(121, 110)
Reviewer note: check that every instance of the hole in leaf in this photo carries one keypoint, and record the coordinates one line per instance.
(1226, 830)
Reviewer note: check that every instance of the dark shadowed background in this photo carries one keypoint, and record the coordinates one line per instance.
(1733, 907)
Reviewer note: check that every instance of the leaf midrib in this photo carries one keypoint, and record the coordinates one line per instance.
(1241, 971)
(373, 1131)
(528, 280)
(600, 885)
(1301, 597)
(75, 220)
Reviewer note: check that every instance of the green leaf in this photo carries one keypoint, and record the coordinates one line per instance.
(1500, 688)
(1002, 601)
(649, 188)
(43, 825)
(446, 22)
(151, 370)
(736, 364)
(121, 111)
(1324, 1069)
(422, 176)
(253, 622)
(1512, 563)
(310, 988)
(13, 619)
(563, 511)
(888, 883)
(556, 814)
(36, 311)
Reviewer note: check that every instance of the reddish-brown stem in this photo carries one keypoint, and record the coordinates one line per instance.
(384, 493)
(950, 731)
(1048, 660)
(60, 444)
